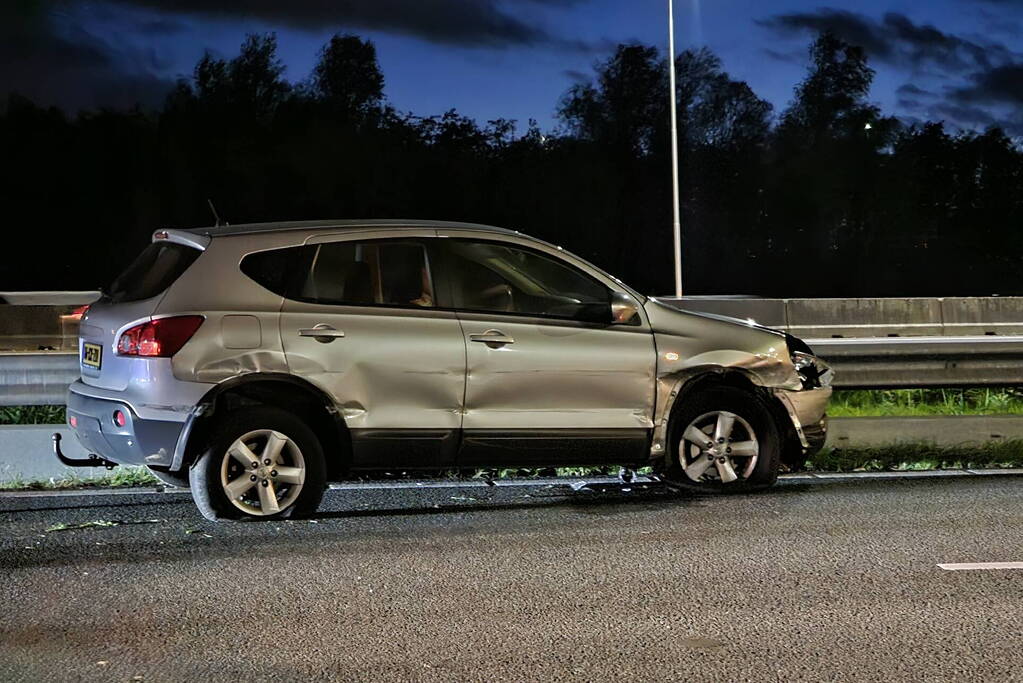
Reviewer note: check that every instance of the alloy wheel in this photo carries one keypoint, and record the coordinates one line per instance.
(262, 472)
(718, 446)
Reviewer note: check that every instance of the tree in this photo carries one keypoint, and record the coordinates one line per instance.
(831, 100)
(347, 77)
(627, 108)
(714, 110)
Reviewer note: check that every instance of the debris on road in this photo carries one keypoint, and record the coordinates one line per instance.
(99, 523)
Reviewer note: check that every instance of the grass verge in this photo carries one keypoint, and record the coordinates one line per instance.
(32, 415)
(918, 402)
(119, 477)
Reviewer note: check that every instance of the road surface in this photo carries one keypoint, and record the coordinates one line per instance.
(813, 580)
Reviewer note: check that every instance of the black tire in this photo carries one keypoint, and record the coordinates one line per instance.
(751, 409)
(205, 474)
(176, 479)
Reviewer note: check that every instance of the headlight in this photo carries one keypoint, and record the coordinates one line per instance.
(814, 372)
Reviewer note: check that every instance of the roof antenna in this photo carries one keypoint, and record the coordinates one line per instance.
(216, 215)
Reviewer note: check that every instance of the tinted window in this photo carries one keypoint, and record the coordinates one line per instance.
(386, 273)
(159, 265)
(280, 269)
(490, 276)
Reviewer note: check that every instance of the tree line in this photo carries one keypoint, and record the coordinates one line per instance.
(829, 197)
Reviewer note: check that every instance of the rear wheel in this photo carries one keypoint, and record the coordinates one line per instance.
(261, 463)
(723, 439)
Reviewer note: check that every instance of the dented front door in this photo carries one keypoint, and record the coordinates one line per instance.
(544, 387)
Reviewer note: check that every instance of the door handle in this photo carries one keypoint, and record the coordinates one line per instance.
(495, 337)
(322, 333)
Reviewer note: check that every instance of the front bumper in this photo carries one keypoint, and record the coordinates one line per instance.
(138, 442)
(808, 411)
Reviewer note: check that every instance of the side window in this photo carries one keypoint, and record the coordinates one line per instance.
(278, 269)
(383, 273)
(495, 277)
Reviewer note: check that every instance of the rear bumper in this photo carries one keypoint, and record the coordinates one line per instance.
(138, 442)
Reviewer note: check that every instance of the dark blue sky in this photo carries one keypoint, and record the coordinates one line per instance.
(957, 60)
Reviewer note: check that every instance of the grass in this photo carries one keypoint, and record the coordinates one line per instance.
(119, 477)
(914, 402)
(31, 415)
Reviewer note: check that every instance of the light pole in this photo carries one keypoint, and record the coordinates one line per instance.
(677, 223)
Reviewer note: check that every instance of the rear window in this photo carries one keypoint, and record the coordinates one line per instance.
(155, 269)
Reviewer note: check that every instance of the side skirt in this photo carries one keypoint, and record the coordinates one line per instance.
(404, 448)
(553, 447)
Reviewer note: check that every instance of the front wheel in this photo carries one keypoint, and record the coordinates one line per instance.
(261, 463)
(723, 439)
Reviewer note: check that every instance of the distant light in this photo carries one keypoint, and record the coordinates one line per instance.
(867, 127)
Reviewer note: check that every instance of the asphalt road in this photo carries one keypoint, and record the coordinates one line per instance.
(811, 581)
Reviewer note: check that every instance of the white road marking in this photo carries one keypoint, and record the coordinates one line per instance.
(552, 481)
(967, 566)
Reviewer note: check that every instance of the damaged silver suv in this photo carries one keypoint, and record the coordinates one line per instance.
(254, 363)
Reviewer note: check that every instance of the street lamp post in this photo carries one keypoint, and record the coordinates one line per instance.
(677, 223)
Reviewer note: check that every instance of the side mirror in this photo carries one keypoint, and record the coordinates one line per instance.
(624, 309)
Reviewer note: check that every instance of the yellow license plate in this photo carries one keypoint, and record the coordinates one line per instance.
(92, 355)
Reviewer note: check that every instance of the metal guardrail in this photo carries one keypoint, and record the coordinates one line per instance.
(36, 378)
(871, 343)
(918, 362)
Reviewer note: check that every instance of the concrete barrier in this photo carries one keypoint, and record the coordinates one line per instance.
(867, 318)
(980, 316)
(832, 318)
(935, 430)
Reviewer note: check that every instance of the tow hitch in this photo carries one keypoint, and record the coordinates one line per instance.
(92, 461)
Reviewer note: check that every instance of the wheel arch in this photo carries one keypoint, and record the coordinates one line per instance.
(280, 390)
(687, 384)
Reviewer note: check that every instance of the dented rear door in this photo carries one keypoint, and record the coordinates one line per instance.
(363, 325)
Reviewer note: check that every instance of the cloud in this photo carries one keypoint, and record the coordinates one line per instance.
(964, 114)
(895, 39)
(48, 58)
(983, 78)
(914, 91)
(998, 85)
(467, 23)
(790, 56)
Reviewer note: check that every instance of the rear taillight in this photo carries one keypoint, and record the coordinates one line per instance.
(160, 338)
(79, 312)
